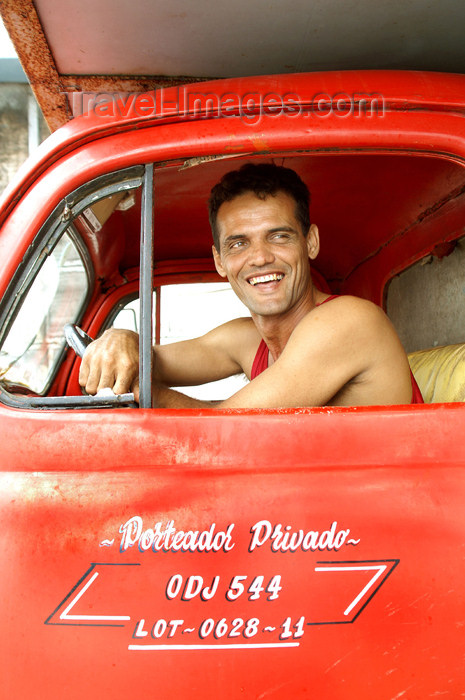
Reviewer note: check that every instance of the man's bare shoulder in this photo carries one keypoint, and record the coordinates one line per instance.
(348, 301)
(355, 336)
(344, 313)
(344, 322)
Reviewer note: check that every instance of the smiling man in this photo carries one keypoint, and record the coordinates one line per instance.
(300, 347)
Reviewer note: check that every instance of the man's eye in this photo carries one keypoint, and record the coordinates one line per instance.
(237, 244)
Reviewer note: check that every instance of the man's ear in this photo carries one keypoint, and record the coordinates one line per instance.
(217, 258)
(313, 242)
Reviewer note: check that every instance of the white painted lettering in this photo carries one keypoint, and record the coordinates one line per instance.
(173, 586)
(261, 532)
(159, 629)
(131, 531)
(174, 624)
(167, 538)
(139, 631)
(192, 587)
(208, 593)
(284, 539)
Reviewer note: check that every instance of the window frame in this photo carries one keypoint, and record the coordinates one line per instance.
(57, 224)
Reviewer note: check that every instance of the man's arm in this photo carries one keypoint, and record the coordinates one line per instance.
(113, 360)
(343, 353)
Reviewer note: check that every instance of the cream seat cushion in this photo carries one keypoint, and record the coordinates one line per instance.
(440, 373)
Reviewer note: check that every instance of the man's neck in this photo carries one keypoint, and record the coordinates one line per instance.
(276, 330)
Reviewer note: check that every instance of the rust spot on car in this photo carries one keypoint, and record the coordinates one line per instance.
(23, 25)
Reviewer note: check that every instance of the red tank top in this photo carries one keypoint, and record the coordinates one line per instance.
(260, 363)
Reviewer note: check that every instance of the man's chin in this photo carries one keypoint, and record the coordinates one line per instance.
(267, 308)
(262, 304)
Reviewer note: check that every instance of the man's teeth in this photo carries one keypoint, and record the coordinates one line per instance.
(265, 278)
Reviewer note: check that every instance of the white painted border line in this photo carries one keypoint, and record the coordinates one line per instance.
(380, 569)
(181, 647)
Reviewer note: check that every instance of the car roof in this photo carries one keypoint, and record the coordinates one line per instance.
(135, 46)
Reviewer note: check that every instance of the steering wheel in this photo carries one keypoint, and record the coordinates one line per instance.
(77, 339)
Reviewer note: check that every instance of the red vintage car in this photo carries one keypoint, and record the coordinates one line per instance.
(310, 552)
(258, 554)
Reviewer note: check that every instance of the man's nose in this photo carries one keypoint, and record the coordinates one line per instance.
(260, 253)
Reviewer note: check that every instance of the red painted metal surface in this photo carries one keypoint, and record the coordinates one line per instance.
(370, 604)
(394, 478)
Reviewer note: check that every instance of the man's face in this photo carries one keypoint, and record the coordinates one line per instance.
(264, 252)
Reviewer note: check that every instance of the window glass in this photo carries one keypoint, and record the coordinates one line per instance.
(188, 311)
(35, 340)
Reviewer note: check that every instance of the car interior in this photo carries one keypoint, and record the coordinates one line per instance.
(133, 249)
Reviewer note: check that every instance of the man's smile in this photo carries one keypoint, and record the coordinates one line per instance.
(262, 279)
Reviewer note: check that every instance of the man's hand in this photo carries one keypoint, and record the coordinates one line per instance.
(112, 361)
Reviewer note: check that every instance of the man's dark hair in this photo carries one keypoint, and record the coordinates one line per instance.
(264, 180)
